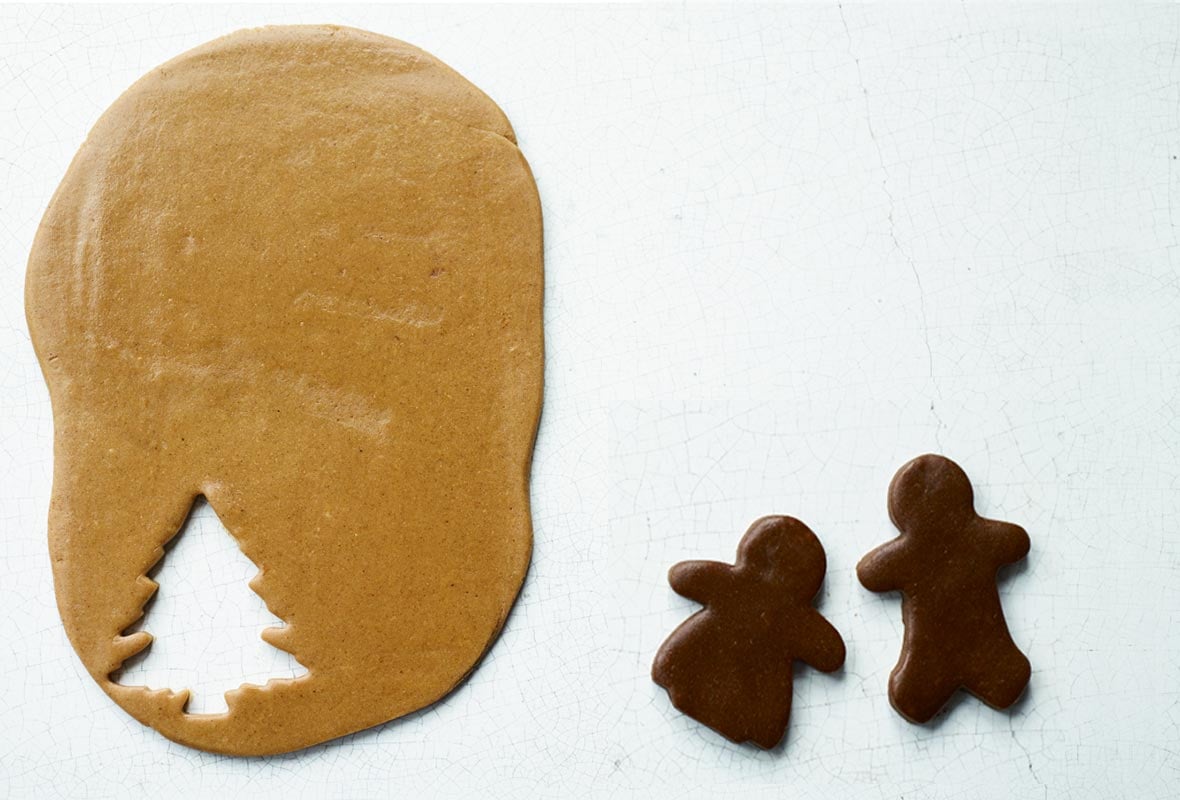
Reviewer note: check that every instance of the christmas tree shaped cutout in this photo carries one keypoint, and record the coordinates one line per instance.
(206, 620)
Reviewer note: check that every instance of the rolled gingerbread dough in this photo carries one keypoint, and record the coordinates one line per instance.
(297, 270)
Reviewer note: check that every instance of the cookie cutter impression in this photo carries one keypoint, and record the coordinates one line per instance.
(297, 271)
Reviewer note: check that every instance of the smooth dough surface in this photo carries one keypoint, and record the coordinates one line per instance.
(297, 270)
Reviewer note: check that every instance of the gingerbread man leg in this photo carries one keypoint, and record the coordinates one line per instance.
(1002, 675)
(919, 688)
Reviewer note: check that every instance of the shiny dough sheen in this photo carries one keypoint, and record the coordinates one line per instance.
(297, 270)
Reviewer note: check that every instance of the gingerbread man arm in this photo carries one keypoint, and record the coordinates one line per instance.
(820, 645)
(701, 581)
(1009, 543)
(883, 569)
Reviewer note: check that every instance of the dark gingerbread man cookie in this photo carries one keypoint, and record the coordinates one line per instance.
(944, 563)
(729, 665)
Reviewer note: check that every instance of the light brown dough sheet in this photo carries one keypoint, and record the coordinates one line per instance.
(297, 270)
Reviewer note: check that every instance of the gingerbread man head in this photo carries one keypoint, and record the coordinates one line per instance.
(785, 551)
(931, 497)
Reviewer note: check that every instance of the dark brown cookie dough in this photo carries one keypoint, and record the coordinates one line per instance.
(729, 665)
(944, 563)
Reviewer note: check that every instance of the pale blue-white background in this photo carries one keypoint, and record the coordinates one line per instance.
(788, 248)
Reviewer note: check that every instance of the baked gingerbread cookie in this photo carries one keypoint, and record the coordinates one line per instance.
(298, 271)
(730, 665)
(944, 563)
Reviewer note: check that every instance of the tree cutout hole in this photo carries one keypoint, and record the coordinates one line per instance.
(206, 620)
